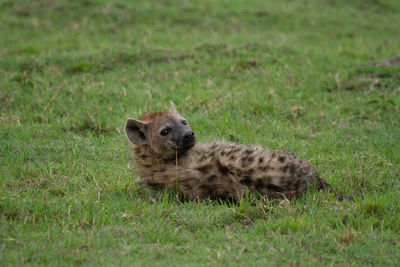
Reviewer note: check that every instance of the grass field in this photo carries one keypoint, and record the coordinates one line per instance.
(303, 75)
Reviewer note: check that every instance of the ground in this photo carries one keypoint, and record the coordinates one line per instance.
(319, 78)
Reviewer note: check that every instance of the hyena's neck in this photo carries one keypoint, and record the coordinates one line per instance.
(146, 157)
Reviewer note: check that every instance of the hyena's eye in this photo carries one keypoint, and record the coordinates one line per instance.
(184, 122)
(164, 132)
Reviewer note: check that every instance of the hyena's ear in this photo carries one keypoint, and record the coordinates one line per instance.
(172, 107)
(136, 131)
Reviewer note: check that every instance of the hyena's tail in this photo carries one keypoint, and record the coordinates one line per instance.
(321, 184)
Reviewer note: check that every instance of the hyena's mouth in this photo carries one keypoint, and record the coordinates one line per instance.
(186, 147)
(181, 148)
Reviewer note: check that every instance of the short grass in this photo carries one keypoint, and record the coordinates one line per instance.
(287, 74)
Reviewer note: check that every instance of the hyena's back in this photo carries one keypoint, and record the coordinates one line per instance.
(228, 170)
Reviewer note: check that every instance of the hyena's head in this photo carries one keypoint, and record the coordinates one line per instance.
(166, 132)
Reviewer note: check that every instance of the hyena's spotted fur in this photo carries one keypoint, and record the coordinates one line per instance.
(219, 170)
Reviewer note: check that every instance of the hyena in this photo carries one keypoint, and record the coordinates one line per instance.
(166, 156)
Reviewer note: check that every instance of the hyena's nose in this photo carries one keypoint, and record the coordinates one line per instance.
(189, 136)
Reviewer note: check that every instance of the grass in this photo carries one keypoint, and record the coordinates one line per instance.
(285, 74)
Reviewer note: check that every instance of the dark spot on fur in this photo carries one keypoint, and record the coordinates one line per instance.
(147, 165)
(208, 189)
(273, 187)
(246, 181)
(212, 178)
(235, 150)
(203, 169)
(224, 195)
(187, 186)
(232, 157)
(156, 186)
(248, 173)
(264, 168)
(244, 164)
(222, 153)
(259, 184)
(250, 159)
(292, 168)
(298, 184)
(284, 168)
(151, 184)
(281, 158)
(267, 179)
(169, 160)
(239, 173)
(260, 160)
(290, 184)
(143, 156)
(248, 152)
(222, 169)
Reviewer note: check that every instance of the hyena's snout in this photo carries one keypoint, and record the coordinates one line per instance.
(187, 140)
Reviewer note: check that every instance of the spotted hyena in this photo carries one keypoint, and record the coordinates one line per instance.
(166, 155)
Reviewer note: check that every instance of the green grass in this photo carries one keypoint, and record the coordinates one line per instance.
(283, 74)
